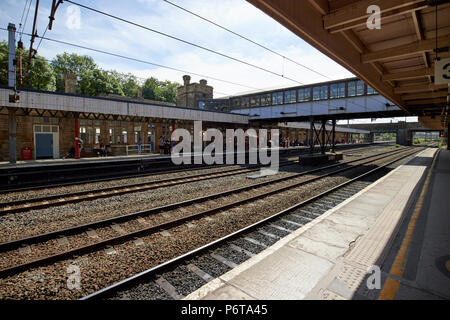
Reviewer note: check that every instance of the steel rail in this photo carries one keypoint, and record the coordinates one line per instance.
(4, 246)
(124, 175)
(156, 228)
(63, 199)
(170, 264)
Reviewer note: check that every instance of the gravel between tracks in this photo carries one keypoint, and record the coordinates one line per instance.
(20, 225)
(99, 269)
(29, 223)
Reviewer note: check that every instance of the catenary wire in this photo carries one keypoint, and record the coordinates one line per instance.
(245, 38)
(140, 61)
(185, 41)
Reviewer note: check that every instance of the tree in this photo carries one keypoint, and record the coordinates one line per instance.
(169, 91)
(150, 89)
(41, 76)
(81, 65)
(97, 82)
(128, 83)
(160, 90)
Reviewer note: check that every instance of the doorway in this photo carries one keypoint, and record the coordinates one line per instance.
(46, 142)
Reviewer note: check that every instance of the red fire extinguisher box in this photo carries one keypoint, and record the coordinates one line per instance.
(26, 153)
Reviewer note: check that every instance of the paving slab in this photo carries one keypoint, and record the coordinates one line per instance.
(329, 257)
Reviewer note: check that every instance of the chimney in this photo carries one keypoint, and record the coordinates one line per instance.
(186, 80)
(203, 82)
(139, 93)
(70, 82)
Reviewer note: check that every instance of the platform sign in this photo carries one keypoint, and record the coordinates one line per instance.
(442, 71)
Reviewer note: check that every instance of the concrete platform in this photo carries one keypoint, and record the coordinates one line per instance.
(52, 162)
(329, 258)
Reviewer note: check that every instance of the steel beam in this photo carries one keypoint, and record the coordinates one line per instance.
(12, 134)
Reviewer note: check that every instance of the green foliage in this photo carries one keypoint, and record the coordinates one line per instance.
(160, 90)
(91, 79)
(97, 82)
(129, 84)
(41, 76)
(81, 65)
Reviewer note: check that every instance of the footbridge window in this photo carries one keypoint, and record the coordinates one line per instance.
(277, 98)
(371, 90)
(265, 100)
(304, 94)
(290, 96)
(337, 90)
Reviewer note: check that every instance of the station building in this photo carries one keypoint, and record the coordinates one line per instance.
(46, 122)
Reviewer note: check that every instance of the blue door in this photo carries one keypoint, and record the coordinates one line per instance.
(44, 145)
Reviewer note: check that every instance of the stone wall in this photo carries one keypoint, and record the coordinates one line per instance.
(190, 93)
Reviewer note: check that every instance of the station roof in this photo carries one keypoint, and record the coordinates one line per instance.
(397, 60)
(71, 103)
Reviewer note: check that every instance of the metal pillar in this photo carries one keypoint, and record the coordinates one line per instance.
(77, 138)
(287, 138)
(311, 135)
(324, 143)
(11, 55)
(333, 137)
(12, 84)
(12, 134)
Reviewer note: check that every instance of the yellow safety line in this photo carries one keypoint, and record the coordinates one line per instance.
(391, 286)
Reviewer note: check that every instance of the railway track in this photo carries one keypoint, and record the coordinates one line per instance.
(185, 273)
(91, 179)
(159, 219)
(63, 199)
(47, 201)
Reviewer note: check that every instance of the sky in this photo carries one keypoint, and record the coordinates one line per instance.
(81, 26)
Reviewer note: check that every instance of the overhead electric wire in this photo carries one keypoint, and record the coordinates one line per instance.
(23, 14)
(184, 41)
(141, 79)
(139, 60)
(245, 38)
(26, 19)
(40, 41)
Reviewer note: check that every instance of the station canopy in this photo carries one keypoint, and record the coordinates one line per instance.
(398, 59)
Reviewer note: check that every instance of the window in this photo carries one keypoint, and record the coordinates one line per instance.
(265, 100)
(111, 136)
(359, 88)
(83, 134)
(277, 98)
(289, 96)
(316, 93)
(236, 103)
(337, 90)
(201, 105)
(124, 135)
(137, 133)
(245, 102)
(90, 135)
(97, 135)
(371, 90)
(254, 101)
(304, 94)
(352, 88)
(324, 92)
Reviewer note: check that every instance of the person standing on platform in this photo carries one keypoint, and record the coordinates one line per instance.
(161, 145)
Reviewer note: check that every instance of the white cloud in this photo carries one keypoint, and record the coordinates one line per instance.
(73, 17)
(107, 34)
